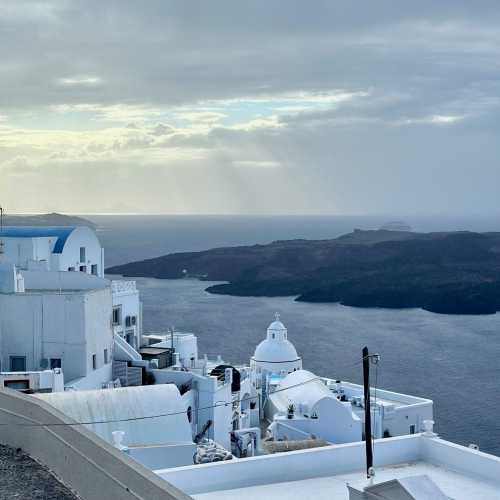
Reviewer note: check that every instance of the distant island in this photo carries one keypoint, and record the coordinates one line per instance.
(51, 219)
(448, 272)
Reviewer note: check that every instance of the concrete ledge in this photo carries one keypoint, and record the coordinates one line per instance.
(86, 463)
(290, 466)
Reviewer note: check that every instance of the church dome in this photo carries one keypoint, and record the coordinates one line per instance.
(280, 351)
(276, 348)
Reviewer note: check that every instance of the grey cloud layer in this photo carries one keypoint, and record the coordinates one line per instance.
(418, 135)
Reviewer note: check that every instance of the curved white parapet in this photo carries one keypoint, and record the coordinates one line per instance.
(148, 415)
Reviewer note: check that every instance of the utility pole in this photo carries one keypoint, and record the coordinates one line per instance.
(368, 418)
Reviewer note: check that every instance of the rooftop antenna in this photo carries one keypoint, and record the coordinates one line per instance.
(370, 473)
(1, 230)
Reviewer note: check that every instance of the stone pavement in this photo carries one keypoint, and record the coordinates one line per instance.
(21, 478)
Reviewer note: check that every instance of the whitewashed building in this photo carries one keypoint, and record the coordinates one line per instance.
(58, 248)
(127, 312)
(57, 320)
(58, 312)
(119, 413)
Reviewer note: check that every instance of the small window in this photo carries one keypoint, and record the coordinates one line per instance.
(106, 357)
(83, 269)
(412, 429)
(130, 337)
(18, 385)
(94, 361)
(94, 269)
(71, 269)
(82, 254)
(117, 315)
(18, 363)
(55, 363)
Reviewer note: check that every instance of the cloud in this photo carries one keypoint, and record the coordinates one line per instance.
(85, 81)
(348, 109)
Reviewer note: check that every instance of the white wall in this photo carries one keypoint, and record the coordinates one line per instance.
(41, 380)
(210, 393)
(55, 280)
(82, 236)
(186, 344)
(126, 296)
(289, 466)
(37, 252)
(23, 251)
(163, 457)
(331, 461)
(84, 462)
(123, 409)
(93, 380)
(71, 326)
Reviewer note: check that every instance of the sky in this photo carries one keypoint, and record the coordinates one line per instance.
(261, 107)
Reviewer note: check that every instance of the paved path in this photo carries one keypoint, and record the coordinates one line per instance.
(21, 478)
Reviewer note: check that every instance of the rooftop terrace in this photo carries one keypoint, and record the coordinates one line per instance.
(323, 473)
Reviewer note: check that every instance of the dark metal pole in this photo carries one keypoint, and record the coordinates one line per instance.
(368, 419)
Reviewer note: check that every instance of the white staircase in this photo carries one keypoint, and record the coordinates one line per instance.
(124, 351)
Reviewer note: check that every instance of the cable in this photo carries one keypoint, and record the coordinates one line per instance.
(131, 419)
(149, 417)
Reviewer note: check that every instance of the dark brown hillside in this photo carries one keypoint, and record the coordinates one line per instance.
(455, 273)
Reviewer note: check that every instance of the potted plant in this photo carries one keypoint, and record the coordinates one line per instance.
(290, 410)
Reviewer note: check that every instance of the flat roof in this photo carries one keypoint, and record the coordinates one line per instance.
(154, 350)
(323, 473)
(453, 484)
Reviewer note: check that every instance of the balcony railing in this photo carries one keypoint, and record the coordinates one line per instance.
(118, 286)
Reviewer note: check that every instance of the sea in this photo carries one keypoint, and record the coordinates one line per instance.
(453, 360)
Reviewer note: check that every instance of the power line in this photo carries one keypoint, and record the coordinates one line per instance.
(131, 419)
(160, 415)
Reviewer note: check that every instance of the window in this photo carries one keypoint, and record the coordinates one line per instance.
(94, 361)
(18, 385)
(55, 363)
(106, 357)
(83, 269)
(412, 429)
(117, 315)
(18, 363)
(71, 269)
(82, 254)
(94, 269)
(129, 337)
